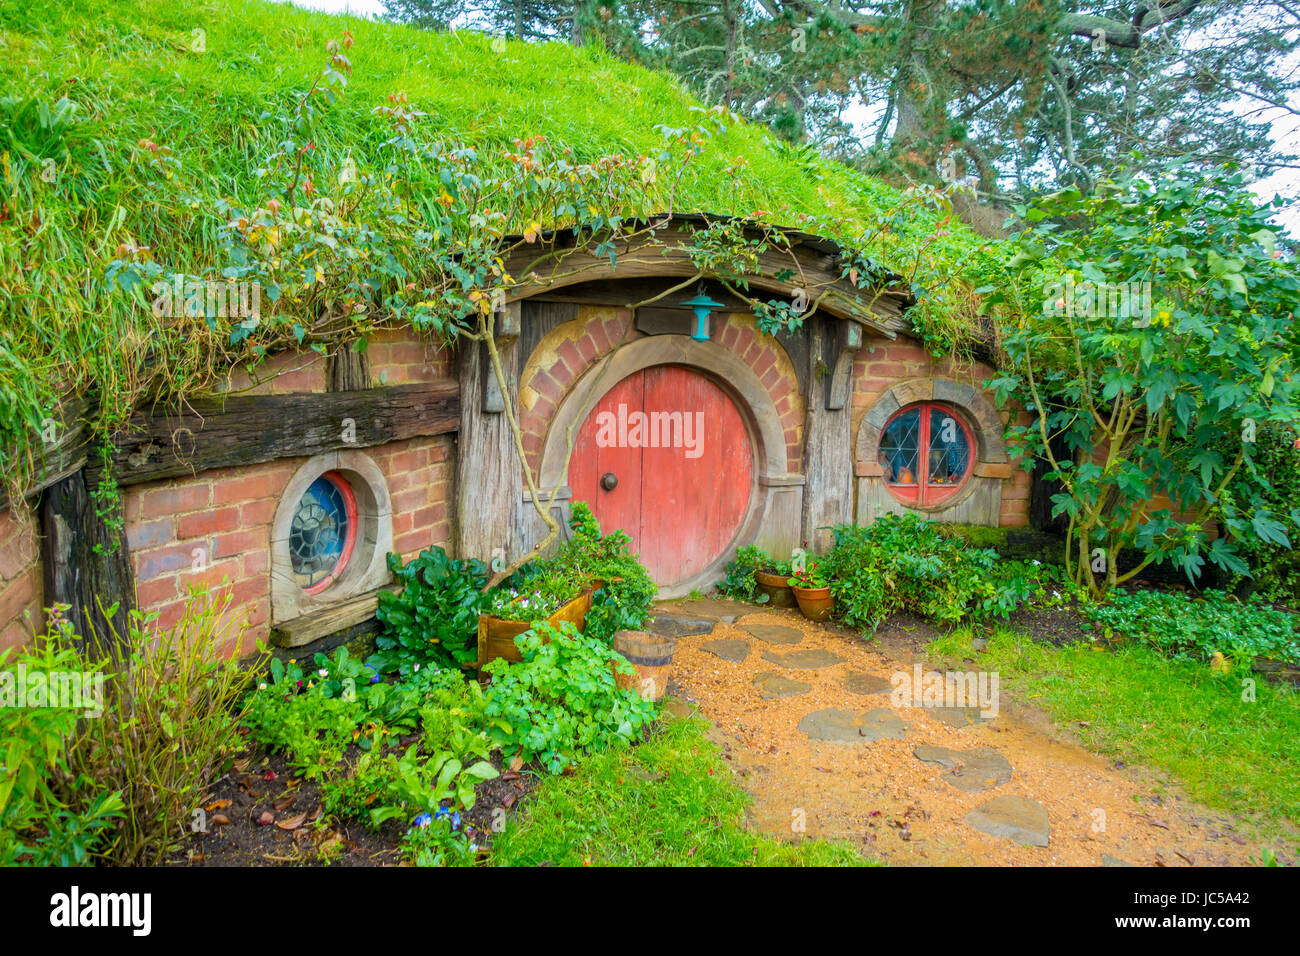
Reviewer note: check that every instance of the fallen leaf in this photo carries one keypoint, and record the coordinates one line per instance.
(292, 823)
(510, 775)
(516, 763)
(220, 819)
(217, 805)
(284, 803)
(266, 819)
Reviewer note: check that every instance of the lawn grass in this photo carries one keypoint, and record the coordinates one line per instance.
(670, 801)
(1177, 716)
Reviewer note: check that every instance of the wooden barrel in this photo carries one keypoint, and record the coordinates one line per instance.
(651, 655)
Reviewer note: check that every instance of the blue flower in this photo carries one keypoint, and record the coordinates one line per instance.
(441, 813)
(374, 674)
(423, 820)
(455, 820)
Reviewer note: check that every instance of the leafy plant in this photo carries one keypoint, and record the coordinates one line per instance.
(811, 575)
(36, 827)
(1148, 320)
(433, 620)
(1200, 628)
(738, 581)
(170, 721)
(623, 600)
(561, 700)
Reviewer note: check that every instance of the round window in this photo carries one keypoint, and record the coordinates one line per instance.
(925, 454)
(323, 533)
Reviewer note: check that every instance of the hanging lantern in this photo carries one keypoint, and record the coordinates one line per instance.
(701, 305)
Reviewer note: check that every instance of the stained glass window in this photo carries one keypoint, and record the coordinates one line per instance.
(946, 439)
(323, 530)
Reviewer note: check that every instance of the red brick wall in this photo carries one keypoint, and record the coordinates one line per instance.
(881, 364)
(215, 529)
(568, 351)
(21, 614)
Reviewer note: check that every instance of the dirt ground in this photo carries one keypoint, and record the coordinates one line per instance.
(901, 810)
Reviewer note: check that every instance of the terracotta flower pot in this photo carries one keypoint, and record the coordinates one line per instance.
(496, 635)
(776, 587)
(816, 603)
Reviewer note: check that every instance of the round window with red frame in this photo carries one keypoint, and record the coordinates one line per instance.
(323, 533)
(925, 454)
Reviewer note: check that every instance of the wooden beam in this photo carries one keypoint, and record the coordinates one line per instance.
(339, 617)
(489, 476)
(245, 430)
(58, 451)
(87, 565)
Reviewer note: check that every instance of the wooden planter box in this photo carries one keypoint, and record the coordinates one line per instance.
(496, 635)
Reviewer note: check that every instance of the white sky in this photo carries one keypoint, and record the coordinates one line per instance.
(1286, 128)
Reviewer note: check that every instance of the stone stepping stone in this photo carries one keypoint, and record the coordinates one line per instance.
(771, 685)
(844, 727)
(957, 717)
(728, 649)
(804, 658)
(1012, 818)
(971, 771)
(1108, 860)
(856, 682)
(719, 609)
(774, 633)
(669, 624)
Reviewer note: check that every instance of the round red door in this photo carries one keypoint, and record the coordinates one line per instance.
(666, 457)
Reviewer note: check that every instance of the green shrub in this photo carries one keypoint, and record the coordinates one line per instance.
(1272, 478)
(561, 700)
(623, 603)
(433, 620)
(1186, 627)
(36, 827)
(738, 581)
(171, 721)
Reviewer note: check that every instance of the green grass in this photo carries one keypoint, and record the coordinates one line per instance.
(1176, 716)
(670, 801)
(76, 188)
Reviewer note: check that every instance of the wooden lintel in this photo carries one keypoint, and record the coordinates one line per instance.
(247, 429)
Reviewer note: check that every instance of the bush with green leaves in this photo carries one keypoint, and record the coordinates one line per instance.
(433, 620)
(1144, 322)
(738, 580)
(1271, 478)
(37, 827)
(1187, 627)
(623, 602)
(561, 700)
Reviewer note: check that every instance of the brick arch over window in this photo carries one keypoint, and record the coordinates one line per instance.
(570, 351)
(979, 501)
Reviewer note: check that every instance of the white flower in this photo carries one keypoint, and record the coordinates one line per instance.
(323, 672)
(1056, 594)
(1035, 563)
(417, 668)
(261, 687)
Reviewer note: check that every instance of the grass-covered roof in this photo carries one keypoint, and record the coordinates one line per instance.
(134, 131)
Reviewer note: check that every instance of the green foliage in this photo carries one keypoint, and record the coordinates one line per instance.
(36, 827)
(170, 724)
(811, 575)
(317, 719)
(1199, 628)
(623, 601)
(1271, 479)
(561, 700)
(905, 563)
(364, 179)
(738, 582)
(433, 620)
(670, 801)
(1142, 387)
